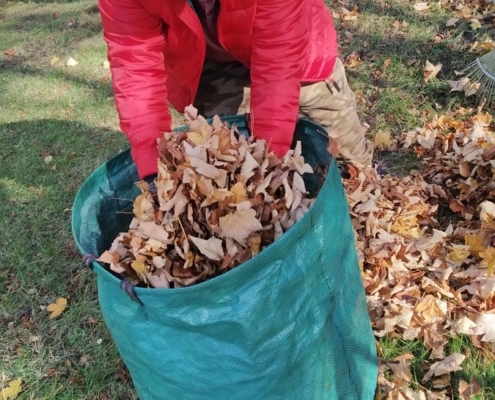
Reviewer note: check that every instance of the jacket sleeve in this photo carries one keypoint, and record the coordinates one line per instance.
(280, 37)
(135, 52)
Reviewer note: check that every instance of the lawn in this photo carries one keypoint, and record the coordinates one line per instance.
(58, 123)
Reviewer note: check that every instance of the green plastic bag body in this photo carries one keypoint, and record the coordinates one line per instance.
(290, 324)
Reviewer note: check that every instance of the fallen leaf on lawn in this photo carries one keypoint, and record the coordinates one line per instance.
(430, 308)
(383, 140)
(451, 363)
(57, 308)
(422, 7)
(483, 47)
(456, 206)
(12, 390)
(475, 243)
(54, 60)
(457, 86)
(402, 374)
(451, 22)
(353, 60)
(464, 325)
(488, 260)
(467, 391)
(71, 62)
(48, 159)
(430, 71)
(486, 327)
(475, 24)
(471, 88)
(239, 225)
(9, 53)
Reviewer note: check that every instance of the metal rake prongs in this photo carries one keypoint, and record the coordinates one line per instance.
(482, 72)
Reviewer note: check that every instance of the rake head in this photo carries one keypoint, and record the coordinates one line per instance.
(481, 74)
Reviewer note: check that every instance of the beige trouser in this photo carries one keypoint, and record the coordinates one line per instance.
(224, 89)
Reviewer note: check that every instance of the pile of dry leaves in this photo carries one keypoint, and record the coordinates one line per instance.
(478, 14)
(426, 244)
(221, 198)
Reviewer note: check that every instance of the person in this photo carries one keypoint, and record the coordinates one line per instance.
(274, 60)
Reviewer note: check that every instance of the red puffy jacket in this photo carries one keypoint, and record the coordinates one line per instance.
(156, 50)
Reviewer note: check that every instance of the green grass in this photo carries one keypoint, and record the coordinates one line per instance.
(68, 113)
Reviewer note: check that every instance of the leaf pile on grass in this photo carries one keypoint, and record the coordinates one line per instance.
(221, 198)
(427, 278)
(477, 14)
(480, 11)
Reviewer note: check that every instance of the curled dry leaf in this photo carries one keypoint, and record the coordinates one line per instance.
(430, 71)
(467, 391)
(449, 364)
(221, 199)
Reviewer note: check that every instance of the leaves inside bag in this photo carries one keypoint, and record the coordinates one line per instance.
(221, 198)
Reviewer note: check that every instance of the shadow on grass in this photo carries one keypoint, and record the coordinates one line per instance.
(77, 149)
(103, 88)
(45, 29)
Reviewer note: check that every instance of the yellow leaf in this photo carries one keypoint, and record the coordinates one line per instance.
(429, 308)
(57, 308)
(459, 254)
(383, 140)
(474, 242)
(139, 267)
(475, 24)
(488, 256)
(11, 391)
(353, 60)
(483, 47)
(199, 138)
(54, 60)
(239, 192)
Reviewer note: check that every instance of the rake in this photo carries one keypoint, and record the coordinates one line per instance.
(482, 71)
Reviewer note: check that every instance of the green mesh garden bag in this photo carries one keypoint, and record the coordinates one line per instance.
(290, 324)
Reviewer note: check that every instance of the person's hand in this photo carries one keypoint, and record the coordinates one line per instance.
(280, 150)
